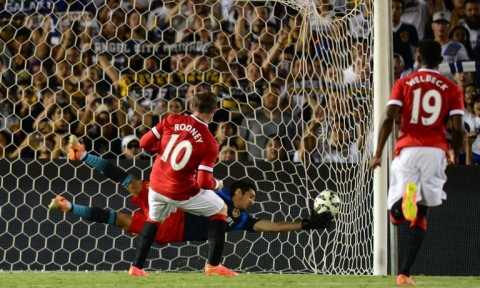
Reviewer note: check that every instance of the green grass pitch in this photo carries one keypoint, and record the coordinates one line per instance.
(191, 279)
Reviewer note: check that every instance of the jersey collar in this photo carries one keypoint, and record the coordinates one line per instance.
(199, 120)
(428, 70)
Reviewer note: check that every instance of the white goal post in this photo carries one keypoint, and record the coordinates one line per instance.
(382, 71)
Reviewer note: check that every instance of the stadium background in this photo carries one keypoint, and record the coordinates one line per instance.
(107, 71)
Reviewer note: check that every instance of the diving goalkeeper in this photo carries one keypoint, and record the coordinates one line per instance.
(178, 226)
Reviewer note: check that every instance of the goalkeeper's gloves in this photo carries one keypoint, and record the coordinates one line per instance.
(318, 221)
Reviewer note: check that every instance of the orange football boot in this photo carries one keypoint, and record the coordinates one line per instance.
(137, 272)
(219, 270)
(404, 280)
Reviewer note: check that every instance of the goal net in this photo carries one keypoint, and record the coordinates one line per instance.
(295, 82)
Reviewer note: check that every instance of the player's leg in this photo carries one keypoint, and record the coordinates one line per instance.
(431, 163)
(159, 209)
(207, 203)
(217, 226)
(76, 152)
(403, 174)
(93, 214)
(415, 237)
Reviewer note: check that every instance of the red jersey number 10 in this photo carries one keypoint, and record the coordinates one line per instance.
(172, 151)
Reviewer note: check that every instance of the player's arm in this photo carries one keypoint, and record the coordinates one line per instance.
(456, 111)
(457, 134)
(205, 179)
(393, 112)
(270, 226)
(316, 221)
(149, 141)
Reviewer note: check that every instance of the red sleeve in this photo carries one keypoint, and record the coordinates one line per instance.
(205, 177)
(206, 180)
(397, 94)
(149, 141)
(455, 105)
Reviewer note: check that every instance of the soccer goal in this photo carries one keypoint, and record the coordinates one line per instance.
(295, 79)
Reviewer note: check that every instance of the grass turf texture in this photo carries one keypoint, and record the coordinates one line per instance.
(196, 279)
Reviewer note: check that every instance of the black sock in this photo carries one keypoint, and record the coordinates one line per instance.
(414, 242)
(216, 241)
(145, 241)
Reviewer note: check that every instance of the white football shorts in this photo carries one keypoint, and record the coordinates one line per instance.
(425, 166)
(205, 203)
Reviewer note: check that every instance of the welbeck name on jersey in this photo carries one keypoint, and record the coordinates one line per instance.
(427, 78)
(195, 134)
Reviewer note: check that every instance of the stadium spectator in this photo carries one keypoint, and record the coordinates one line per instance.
(474, 135)
(452, 51)
(308, 150)
(4, 143)
(176, 106)
(274, 150)
(267, 121)
(472, 24)
(405, 37)
(460, 34)
(398, 66)
(458, 12)
(416, 13)
(463, 79)
(359, 71)
(227, 134)
(470, 121)
(228, 153)
(130, 147)
(341, 146)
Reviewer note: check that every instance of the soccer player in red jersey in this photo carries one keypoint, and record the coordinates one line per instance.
(178, 226)
(423, 102)
(182, 178)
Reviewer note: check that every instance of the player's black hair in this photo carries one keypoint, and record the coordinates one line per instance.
(205, 102)
(472, 1)
(244, 185)
(430, 53)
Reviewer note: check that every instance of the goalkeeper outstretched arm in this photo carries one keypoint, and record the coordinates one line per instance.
(316, 221)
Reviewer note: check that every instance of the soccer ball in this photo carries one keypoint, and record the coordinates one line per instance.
(327, 200)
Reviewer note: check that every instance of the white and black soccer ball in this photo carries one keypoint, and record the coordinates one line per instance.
(327, 201)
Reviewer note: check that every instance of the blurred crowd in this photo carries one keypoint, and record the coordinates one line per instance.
(293, 86)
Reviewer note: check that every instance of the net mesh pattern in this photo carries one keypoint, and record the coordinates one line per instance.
(294, 79)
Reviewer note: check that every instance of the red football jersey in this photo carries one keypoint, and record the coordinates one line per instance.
(186, 145)
(141, 200)
(427, 99)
